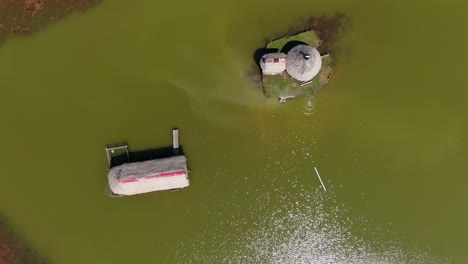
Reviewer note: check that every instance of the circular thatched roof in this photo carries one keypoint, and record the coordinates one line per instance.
(303, 62)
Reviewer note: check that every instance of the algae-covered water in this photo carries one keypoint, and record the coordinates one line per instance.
(388, 135)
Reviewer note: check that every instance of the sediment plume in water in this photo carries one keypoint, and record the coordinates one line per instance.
(329, 30)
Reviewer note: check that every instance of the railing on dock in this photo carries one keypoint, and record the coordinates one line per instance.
(110, 151)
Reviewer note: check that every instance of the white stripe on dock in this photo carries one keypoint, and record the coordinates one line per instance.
(318, 175)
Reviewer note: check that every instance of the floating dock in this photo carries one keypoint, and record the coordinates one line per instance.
(130, 178)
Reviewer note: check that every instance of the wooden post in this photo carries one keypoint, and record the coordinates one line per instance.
(109, 158)
(175, 141)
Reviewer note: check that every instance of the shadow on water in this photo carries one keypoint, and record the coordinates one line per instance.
(147, 154)
(259, 54)
(291, 44)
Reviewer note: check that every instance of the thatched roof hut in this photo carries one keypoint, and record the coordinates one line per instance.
(273, 63)
(149, 176)
(303, 62)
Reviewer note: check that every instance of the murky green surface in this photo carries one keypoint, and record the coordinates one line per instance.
(388, 135)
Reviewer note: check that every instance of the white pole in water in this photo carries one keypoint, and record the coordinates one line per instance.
(318, 175)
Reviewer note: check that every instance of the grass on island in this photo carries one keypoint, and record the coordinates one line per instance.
(280, 85)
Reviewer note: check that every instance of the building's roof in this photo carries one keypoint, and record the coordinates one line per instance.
(303, 62)
(273, 63)
(148, 176)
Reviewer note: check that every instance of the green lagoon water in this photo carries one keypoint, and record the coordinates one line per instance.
(388, 135)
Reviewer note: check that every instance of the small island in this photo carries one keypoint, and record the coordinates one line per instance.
(293, 67)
